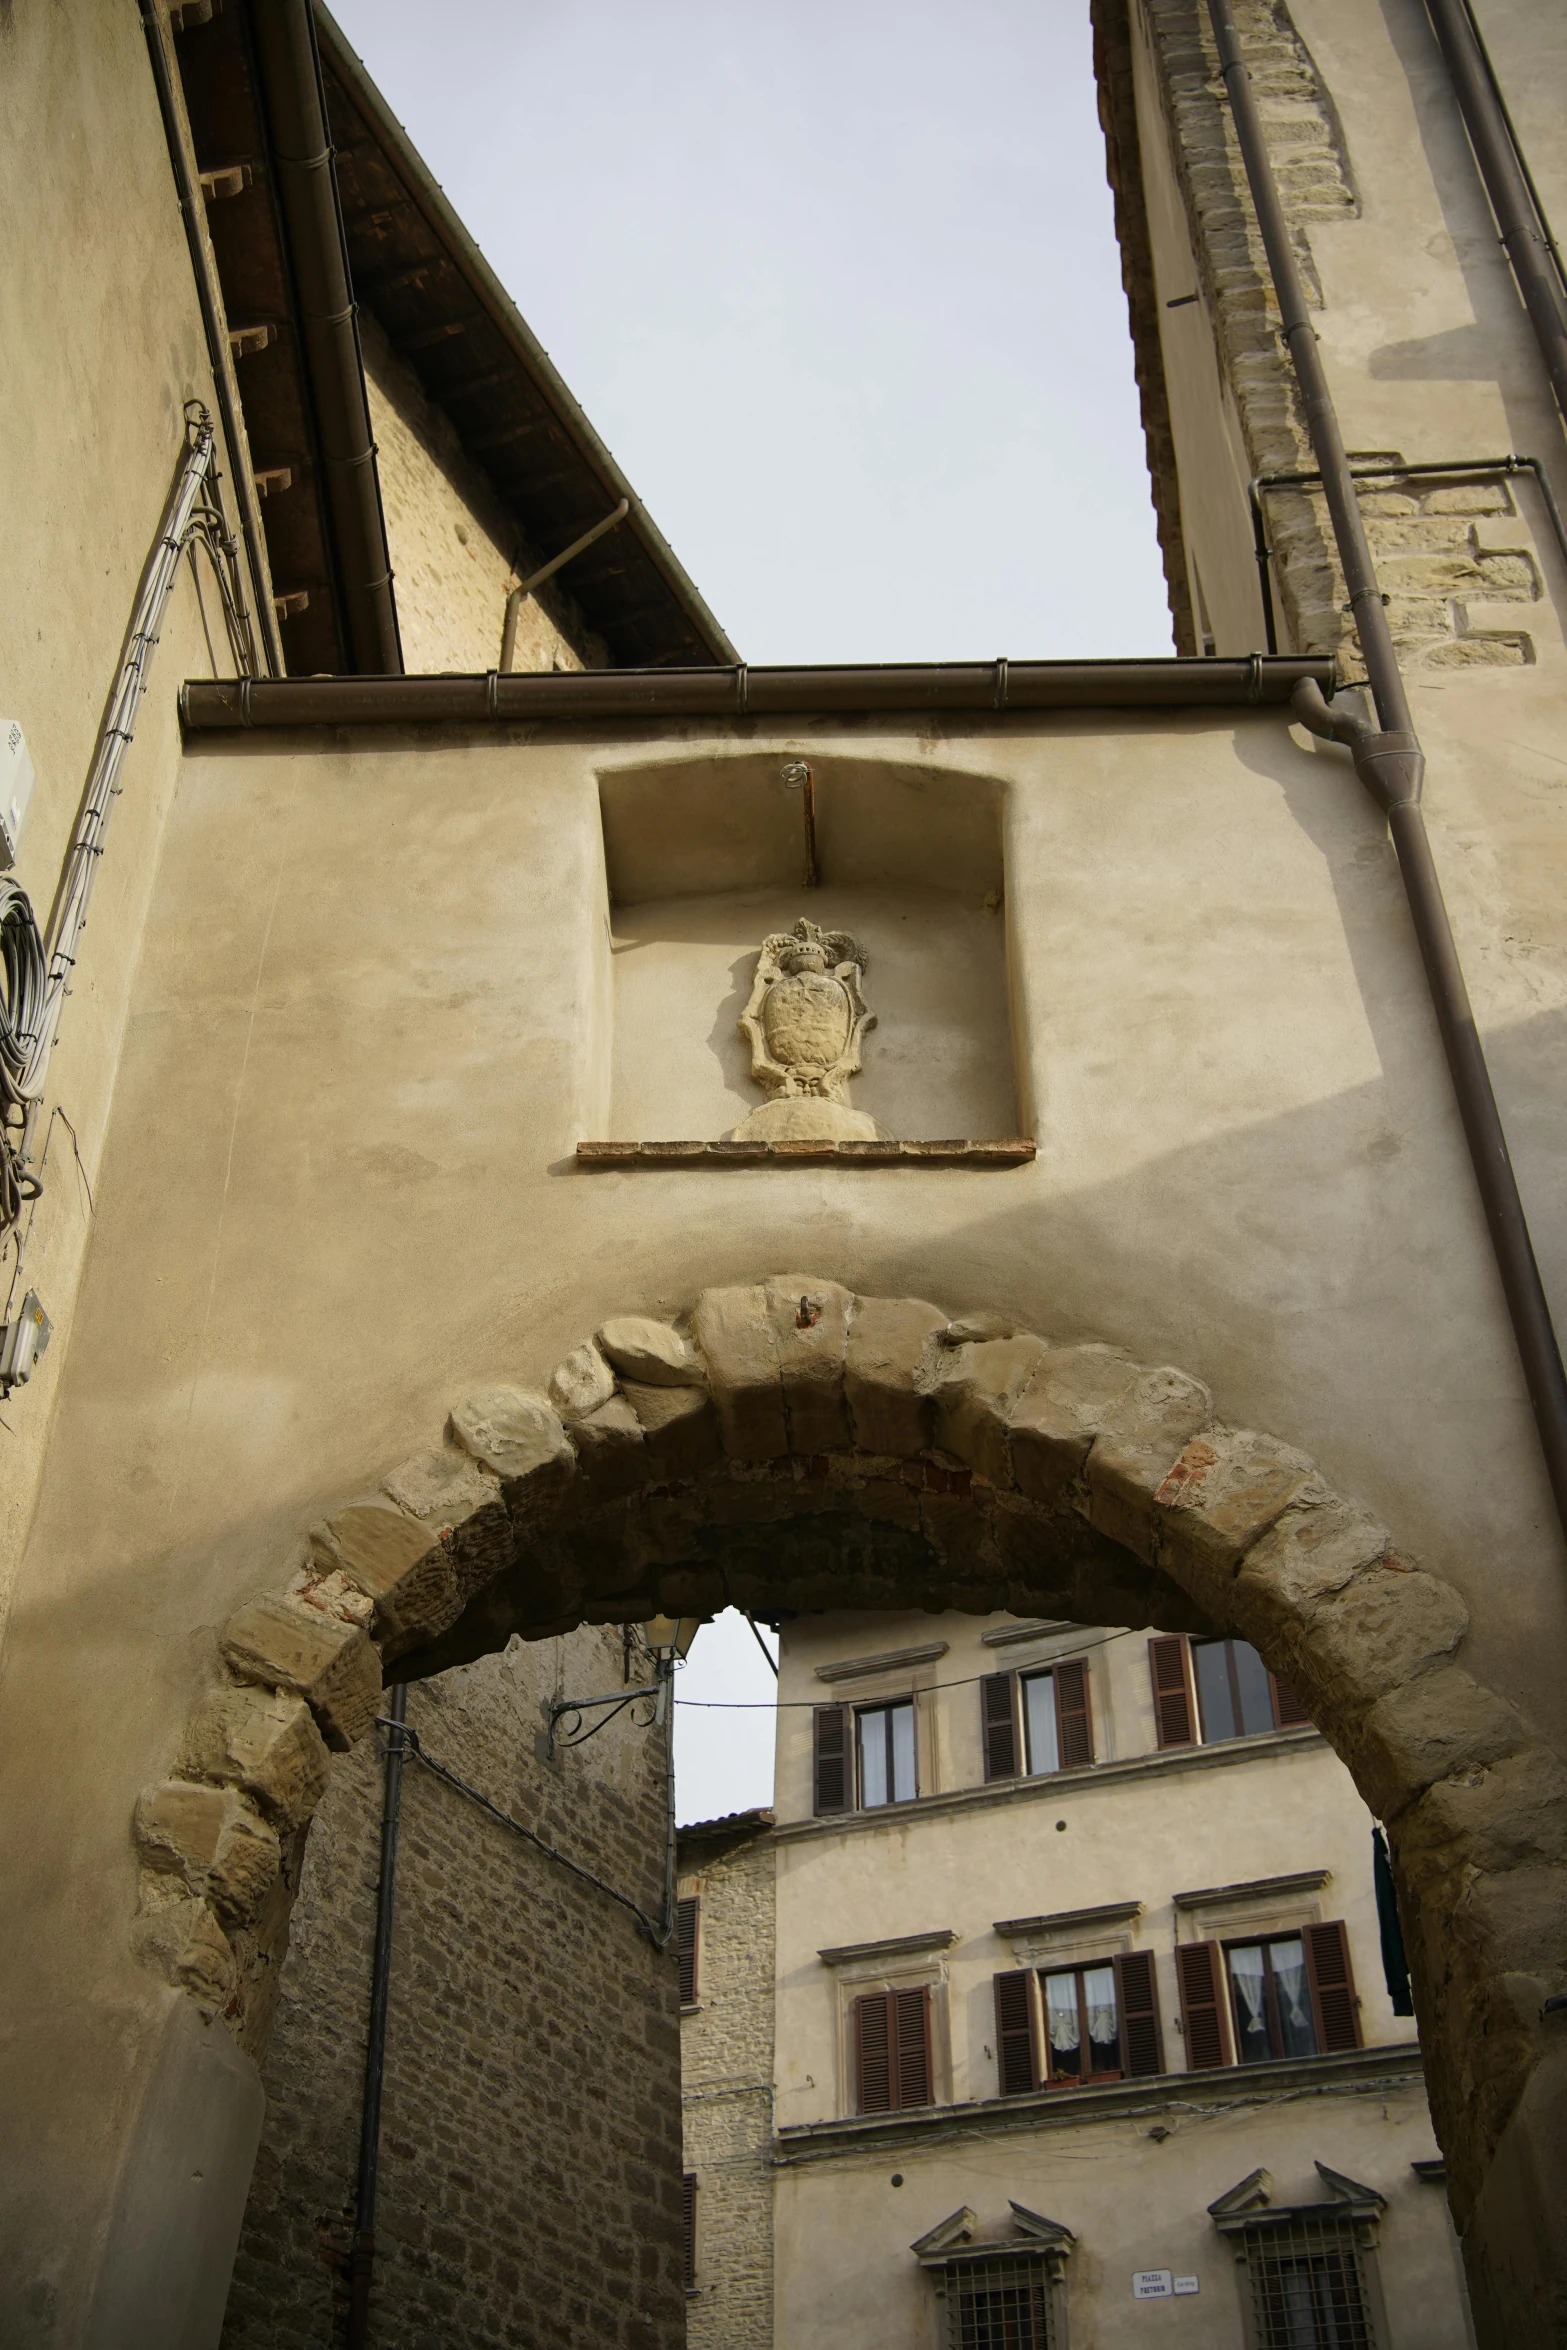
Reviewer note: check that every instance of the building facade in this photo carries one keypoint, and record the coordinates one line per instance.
(1079, 2005)
(415, 1292)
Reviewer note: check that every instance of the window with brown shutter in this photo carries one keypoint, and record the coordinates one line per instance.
(1288, 1712)
(1073, 1714)
(1174, 1713)
(1199, 1969)
(831, 1758)
(687, 1913)
(892, 2050)
(688, 2183)
(1142, 2042)
(998, 1715)
(1015, 2069)
(1332, 1987)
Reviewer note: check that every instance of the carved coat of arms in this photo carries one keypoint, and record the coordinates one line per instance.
(804, 1024)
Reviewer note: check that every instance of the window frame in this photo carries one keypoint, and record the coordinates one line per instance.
(1081, 1967)
(1265, 1942)
(1286, 1709)
(887, 1707)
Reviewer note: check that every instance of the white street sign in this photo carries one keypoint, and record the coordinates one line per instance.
(1152, 2284)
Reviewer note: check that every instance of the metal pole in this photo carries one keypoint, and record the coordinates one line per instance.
(1391, 765)
(363, 2257)
(1523, 234)
(547, 571)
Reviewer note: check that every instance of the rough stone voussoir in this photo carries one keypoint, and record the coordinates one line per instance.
(263, 1741)
(1427, 1729)
(1314, 1547)
(182, 1941)
(514, 1431)
(581, 1383)
(399, 1564)
(649, 1353)
(611, 1450)
(214, 1840)
(809, 1319)
(283, 1643)
(1227, 1487)
(679, 1428)
(734, 1335)
(1381, 1629)
(1064, 1406)
(976, 1386)
(1512, 1810)
(1144, 1435)
(886, 1374)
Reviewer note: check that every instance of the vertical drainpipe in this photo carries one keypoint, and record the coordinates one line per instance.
(362, 2261)
(1389, 761)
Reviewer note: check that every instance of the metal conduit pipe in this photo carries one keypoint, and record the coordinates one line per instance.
(1525, 236)
(295, 101)
(212, 328)
(362, 2258)
(1390, 763)
(722, 693)
(536, 579)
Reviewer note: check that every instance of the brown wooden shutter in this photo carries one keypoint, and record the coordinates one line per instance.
(687, 1914)
(911, 2022)
(1074, 1722)
(1142, 2042)
(832, 1758)
(689, 2185)
(1199, 1968)
(1332, 1987)
(998, 1712)
(1288, 1711)
(1172, 1691)
(873, 2051)
(1014, 2034)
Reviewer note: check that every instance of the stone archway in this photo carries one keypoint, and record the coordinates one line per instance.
(789, 1444)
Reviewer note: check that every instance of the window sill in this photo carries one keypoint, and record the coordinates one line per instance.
(1365, 2070)
(1165, 1762)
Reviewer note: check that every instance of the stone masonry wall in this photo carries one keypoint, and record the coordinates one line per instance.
(727, 2091)
(1440, 547)
(456, 553)
(530, 2157)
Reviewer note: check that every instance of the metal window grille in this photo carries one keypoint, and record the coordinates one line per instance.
(1308, 2287)
(1000, 2305)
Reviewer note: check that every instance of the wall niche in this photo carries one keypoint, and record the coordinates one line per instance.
(706, 855)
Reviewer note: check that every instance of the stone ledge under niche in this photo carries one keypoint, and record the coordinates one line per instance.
(1014, 1151)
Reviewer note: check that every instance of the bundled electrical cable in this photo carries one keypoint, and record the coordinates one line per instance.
(22, 975)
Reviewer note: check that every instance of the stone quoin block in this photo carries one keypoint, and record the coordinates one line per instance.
(581, 1383)
(976, 1386)
(651, 1354)
(734, 1335)
(1064, 1406)
(399, 1564)
(1144, 1434)
(810, 1326)
(284, 1644)
(263, 1741)
(182, 1941)
(679, 1428)
(1226, 1489)
(211, 1838)
(890, 1341)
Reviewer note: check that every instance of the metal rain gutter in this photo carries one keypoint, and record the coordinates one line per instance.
(1389, 761)
(432, 201)
(740, 692)
(290, 74)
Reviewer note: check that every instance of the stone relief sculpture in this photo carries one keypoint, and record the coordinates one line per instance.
(804, 1024)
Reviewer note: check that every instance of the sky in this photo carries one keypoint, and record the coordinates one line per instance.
(836, 281)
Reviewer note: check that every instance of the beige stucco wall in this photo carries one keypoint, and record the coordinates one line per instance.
(370, 1027)
(103, 347)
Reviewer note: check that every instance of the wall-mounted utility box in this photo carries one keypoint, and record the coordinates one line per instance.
(16, 787)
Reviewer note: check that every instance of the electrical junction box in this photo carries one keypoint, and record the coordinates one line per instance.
(16, 788)
(22, 1342)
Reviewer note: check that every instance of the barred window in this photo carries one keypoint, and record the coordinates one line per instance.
(1307, 2286)
(1000, 2305)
